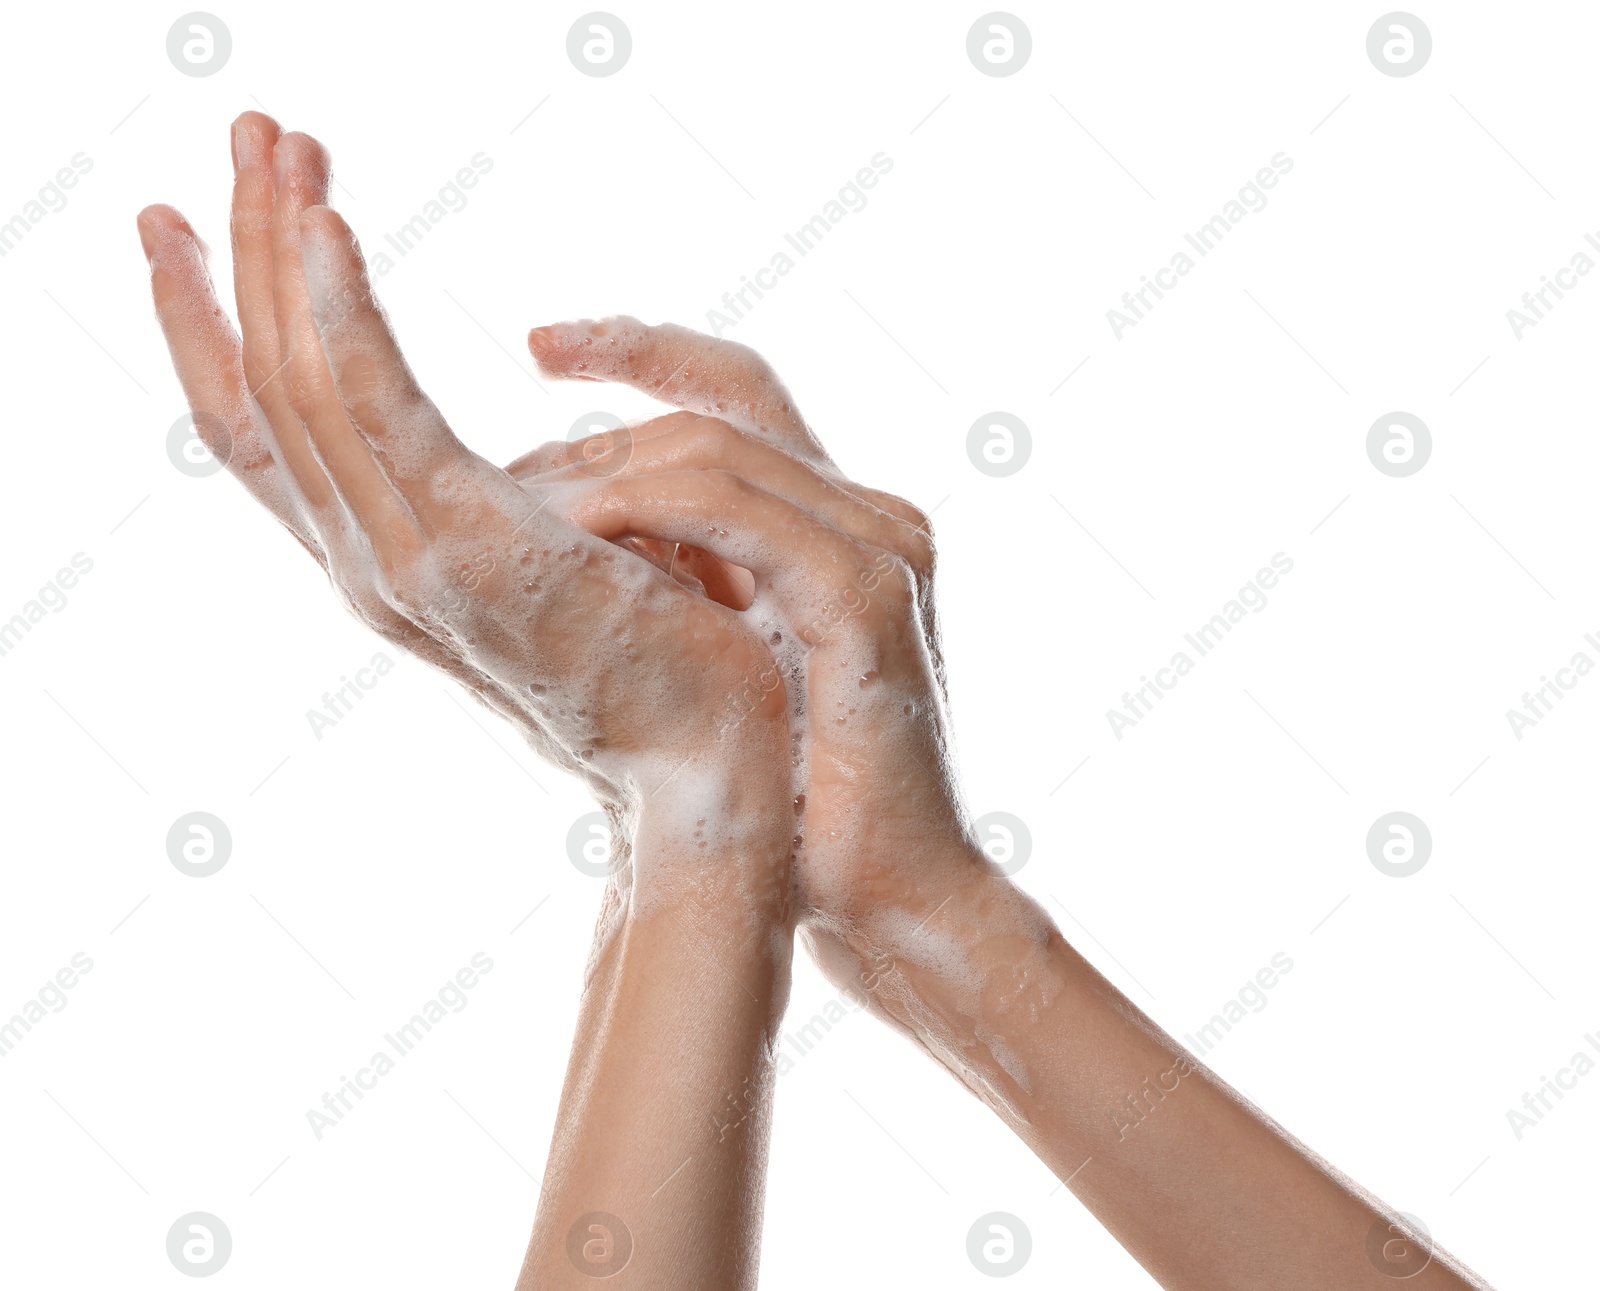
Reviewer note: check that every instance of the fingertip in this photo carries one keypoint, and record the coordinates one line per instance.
(555, 346)
(251, 138)
(160, 225)
(325, 224)
(300, 161)
(545, 345)
(159, 213)
(250, 119)
(149, 221)
(300, 151)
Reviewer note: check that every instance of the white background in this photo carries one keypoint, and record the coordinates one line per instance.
(369, 865)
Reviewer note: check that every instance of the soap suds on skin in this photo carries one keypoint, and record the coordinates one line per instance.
(715, 380)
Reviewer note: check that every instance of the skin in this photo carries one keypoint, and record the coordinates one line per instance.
(666, 1112)
(798, 774)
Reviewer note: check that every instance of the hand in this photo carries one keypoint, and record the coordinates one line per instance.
(611, 669)
(843, 581)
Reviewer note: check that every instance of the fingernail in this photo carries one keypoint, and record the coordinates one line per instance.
(542, 340)
(146, 238)
(280, 165)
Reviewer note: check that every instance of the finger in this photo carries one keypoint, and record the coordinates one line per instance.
(321, 442)
(895, 505)
(682, 367)
(606, 454)
(210, 365)
(706, 443)
(564, 452)
(818, 576)
(661, 440)
(730, 585)
(276, 177)
(696, 372)
(409, 438)
(872, 660)
(255, 139)
(600, 455)
(254, 135)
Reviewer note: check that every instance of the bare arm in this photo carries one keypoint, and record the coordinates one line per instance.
(657, 1168)
(1199, 1185)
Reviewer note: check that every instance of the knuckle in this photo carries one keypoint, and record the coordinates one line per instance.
(719, 442)
(915, 539)
(901, 579)
(922, 555)
(904, 511)
(890, 581)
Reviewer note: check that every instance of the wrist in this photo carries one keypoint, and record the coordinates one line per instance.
(710, 948)
(963, 961)
(711, 842)
(967, 938)
(897, 891)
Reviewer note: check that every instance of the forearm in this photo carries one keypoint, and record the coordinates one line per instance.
(1202, 1188)
(665, 1115)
